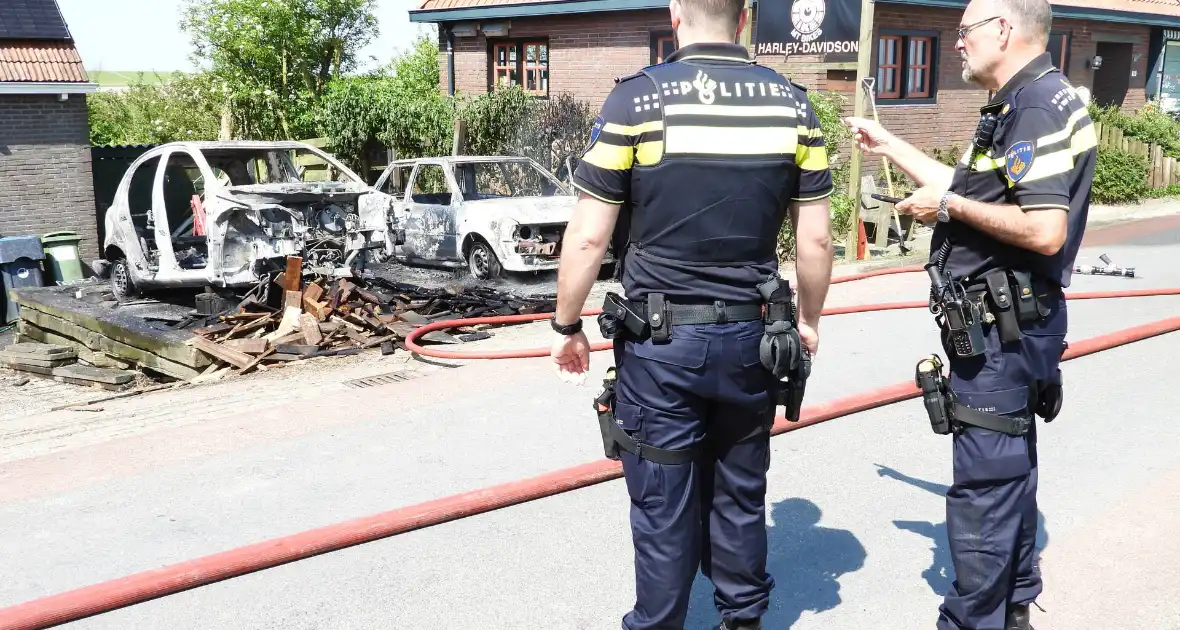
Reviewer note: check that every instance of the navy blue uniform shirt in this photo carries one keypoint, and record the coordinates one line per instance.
(1042, 156)
(704, 158)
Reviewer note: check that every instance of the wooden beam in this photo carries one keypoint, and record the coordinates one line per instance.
(863, 68)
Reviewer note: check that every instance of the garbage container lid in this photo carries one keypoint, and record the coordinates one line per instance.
(13, 248)
(60, 237)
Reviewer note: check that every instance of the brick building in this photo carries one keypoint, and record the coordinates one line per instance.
(45, 179)
(579, 46)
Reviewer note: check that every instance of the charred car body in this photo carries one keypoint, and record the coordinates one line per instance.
(223, 214)
(491, 213)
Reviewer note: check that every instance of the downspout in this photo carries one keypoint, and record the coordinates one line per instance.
(450, 60)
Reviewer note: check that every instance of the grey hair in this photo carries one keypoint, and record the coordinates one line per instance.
(1032, 18)
(716, 13)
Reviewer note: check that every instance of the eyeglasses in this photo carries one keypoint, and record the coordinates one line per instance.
(963, 30)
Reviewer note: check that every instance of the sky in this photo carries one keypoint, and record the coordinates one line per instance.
(122, 35)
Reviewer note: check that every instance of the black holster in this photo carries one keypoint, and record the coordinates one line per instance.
(615, 439)
(948, 415)
(782, 350)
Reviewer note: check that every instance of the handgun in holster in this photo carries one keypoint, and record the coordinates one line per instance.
(781, 350)
(619, 317)
(604, 406)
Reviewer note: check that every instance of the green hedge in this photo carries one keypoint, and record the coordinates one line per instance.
(1120, 177)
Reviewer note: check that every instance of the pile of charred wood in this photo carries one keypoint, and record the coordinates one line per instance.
(288, 319)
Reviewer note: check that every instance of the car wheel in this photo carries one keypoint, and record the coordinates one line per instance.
(122, 284)
(482, 261)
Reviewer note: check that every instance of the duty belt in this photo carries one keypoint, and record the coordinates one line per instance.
(1007, 297)
(655, 317)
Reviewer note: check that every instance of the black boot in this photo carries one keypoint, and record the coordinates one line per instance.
(741, 625)
(1018, 618)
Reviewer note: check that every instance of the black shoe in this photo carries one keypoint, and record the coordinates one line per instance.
(1018, 618)
(741, 625)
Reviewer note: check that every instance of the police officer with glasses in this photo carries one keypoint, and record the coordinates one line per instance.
(1009, 219)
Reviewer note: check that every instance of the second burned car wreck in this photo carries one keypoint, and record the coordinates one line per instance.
(491, 214)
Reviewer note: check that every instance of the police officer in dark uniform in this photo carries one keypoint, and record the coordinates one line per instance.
(1009, 219)
(698, 162)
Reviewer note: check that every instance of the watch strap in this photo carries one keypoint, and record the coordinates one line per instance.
(568, 329)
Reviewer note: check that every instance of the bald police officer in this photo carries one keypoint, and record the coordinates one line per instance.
(1009, 220)
(697, 163)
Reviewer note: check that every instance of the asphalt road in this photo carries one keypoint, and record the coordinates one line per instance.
(857, 523)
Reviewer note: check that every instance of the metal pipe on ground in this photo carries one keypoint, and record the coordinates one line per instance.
(103, 597)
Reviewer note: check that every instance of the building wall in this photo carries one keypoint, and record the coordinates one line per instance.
(45, 180)
(588, 51)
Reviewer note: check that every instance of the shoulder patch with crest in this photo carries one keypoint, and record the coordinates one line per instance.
(595, 131)
(1018, 160)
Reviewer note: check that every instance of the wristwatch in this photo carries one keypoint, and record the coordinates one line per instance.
(943, 215)
(569, 329)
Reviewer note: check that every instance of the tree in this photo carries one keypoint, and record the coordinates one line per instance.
(275, 58)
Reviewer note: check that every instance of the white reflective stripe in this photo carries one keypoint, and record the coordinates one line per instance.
(1064, 133)
(730, 140)
(693, 109)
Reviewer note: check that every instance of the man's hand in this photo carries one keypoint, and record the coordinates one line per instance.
(810, 338)
(869, 136)
(923, 204)
(571, 354)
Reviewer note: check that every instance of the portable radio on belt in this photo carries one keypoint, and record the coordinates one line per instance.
(963, 318)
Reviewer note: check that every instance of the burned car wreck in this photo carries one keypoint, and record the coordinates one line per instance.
(225, 214)
(491, 214)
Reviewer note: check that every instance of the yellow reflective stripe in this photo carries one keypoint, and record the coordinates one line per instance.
(1049, 165)
(633, 130)
(649, 152)
(683, 109)
(811, 158)
(1084, 139)
(984, 163)
(731, 140)
(1074, 118)
(804, 132)
(609, 156)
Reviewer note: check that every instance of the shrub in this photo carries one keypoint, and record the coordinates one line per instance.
(1149, 124)
(1119, 177)
(828, 108)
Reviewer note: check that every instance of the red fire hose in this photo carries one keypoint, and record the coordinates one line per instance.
(114, 594)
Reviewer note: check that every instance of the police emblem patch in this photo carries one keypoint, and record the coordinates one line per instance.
(594, 133)
(1018, 160)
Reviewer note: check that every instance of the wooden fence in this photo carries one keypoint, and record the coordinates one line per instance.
(1163, 171)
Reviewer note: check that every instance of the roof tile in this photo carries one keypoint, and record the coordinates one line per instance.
(48, 61)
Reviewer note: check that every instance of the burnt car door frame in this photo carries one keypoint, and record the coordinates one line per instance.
(422, 219)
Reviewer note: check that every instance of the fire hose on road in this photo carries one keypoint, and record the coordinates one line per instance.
(140, 587)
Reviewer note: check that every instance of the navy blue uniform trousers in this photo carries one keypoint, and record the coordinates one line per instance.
(991, 509)
(707, 386)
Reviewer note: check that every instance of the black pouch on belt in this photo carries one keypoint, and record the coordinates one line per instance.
(604, 406)
(1027, 308)
(1001, 294)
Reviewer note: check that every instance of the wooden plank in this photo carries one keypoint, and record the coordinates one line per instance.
(319, 310)
(1167, 168)
(293, 274)
(288, 325)
(67, 332)
(247, 346)
(215, 329)
(118, 327)
(311, 329)
(292, 299)
(296, 349)
(313, 292)
(229, 355)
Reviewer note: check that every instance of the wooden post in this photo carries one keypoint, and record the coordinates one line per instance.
(1167, 168)
(460, 139)
(863, 68)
